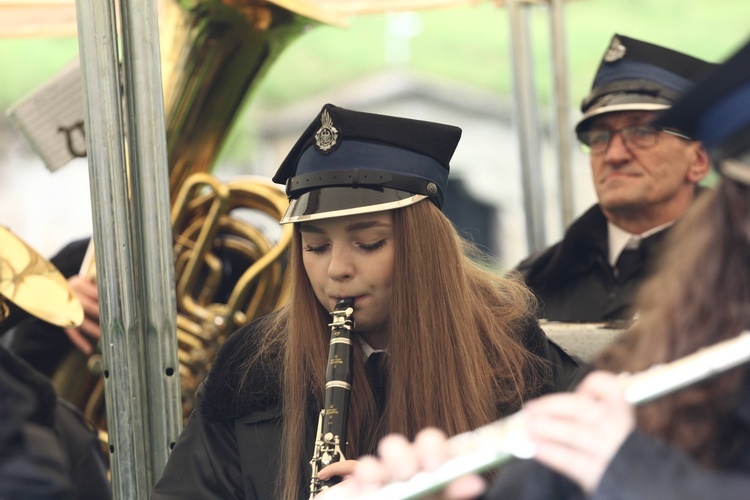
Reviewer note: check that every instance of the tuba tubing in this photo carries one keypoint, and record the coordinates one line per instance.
(213, 54)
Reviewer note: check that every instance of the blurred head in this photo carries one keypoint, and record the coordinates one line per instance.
(717, 112)
(644, 176)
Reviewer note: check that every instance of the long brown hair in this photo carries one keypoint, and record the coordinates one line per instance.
(457, 357)
(700, 296)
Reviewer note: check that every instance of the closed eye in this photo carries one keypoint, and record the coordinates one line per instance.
(371, 247)
(315, 250)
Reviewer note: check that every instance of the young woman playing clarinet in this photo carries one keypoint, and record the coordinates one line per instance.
(462, 346)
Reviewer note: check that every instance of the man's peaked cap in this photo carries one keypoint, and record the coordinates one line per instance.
(639, 76)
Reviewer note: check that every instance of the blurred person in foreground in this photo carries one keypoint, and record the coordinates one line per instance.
(645, 178)
(693, 444)
(47, 448)
(438, 338)
(44, 345)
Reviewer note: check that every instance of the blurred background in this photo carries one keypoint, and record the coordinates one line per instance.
(449, 64)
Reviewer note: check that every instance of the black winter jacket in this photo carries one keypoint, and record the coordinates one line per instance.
(47, 449)
(643, 468)
(573, 280)
(230, 445)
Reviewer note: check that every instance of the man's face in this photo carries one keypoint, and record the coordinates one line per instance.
(635, 181)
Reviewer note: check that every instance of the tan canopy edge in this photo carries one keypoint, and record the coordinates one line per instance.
(57, 18)
(37, 18)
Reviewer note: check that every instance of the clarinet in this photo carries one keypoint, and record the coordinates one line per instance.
(494, 444)
(330, 439)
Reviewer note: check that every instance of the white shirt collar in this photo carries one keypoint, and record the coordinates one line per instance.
(619, 239)
(367, 348)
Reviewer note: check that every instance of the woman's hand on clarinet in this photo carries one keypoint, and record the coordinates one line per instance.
(342, 469)
(577, 434)
(399, 460)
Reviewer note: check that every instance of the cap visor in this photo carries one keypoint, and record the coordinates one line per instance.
(627, 102)
(329, 202)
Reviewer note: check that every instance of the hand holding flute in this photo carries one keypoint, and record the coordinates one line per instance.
(576, 434)
(573, 433)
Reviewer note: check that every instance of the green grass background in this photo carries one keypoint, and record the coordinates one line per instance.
(468, 44)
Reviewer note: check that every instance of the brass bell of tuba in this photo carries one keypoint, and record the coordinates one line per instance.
(213, 52)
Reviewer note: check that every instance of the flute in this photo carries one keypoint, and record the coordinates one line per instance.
(494, 444)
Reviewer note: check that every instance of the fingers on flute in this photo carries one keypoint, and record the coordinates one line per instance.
(431, 446)
(399, 457)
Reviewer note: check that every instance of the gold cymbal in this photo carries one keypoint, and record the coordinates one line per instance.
(35, 285)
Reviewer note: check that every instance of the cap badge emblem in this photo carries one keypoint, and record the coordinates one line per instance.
(616, 50)
(327, 136)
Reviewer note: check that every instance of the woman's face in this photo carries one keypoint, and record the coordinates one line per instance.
(353, 256)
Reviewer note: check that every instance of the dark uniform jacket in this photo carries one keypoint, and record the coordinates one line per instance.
(47, 450)
(573, 279)
(643, 468)
(230, 445)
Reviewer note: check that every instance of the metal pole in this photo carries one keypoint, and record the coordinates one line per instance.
(528, 129)
(152, 229)
(132, 237)
(562, 132)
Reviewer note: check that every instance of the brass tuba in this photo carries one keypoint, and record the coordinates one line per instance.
(213, 52)
(213, 225)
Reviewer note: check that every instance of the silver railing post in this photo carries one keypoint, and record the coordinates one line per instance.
(561, 99)
(528, 128)
(132, 237)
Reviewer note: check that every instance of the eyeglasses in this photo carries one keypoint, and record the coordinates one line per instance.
(597, 141)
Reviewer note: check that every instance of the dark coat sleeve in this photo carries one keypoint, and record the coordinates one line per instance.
(530, 480)
(643, 468)
(33, 464)
(84, 461)
(230, 445)
(204, 463)
(646, 468)
(81, 444)
(70, 258)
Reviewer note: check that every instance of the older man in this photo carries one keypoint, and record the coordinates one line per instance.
(645, 177)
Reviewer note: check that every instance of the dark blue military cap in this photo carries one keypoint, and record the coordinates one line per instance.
(639, 76)
(349, 162)
(717, 112)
